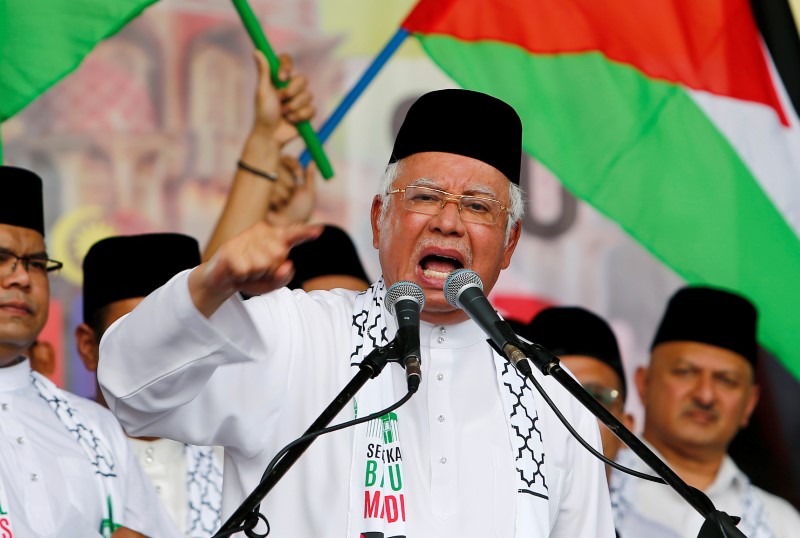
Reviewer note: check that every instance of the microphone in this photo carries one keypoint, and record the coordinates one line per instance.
(404, 301)
(464, 289)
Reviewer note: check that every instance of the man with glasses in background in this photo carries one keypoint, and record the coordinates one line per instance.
(65, 466)
(588, 348)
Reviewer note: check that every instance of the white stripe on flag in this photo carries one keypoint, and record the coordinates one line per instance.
(769, 149)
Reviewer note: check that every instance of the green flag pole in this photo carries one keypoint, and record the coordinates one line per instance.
(260, 41)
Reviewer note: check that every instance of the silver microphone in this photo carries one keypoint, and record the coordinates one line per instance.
(405, 300)
(464, 289)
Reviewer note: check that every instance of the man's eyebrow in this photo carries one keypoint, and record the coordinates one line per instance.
(41, 254)
(684, 362)
(481, 189)
(477, 189)
(714, 371)
(424, 182)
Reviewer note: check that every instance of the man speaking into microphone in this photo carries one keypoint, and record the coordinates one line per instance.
(474, 453)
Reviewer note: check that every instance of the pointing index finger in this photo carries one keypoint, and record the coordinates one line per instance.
(297, 234)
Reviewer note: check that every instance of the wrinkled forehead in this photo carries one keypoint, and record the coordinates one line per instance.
(588, 368)
(21, 240)
(705, 357)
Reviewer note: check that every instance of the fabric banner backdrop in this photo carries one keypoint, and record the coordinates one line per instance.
(668, 117)
(41, 41)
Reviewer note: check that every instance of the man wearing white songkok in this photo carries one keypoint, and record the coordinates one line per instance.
(66, 469)
(474, 453)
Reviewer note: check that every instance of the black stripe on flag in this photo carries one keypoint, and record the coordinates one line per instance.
(777, 26)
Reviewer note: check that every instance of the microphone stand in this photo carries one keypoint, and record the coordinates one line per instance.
(369, 368)
(717, 524)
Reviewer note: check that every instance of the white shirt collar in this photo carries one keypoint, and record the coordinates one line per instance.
(728, 475)
(15, 377)
(458, 335)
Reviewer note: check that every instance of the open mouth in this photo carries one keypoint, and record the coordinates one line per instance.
(438, 266)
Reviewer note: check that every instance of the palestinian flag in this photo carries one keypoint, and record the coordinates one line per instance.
(42, 41)
(675, 118)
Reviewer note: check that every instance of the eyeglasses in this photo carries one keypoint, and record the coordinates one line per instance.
(608, 397)
(429, 201)
(34, 265)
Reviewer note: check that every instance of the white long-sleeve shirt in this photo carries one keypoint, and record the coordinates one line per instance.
(256, 374)
(48, 482)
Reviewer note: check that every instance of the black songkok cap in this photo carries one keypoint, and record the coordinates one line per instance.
(335, 247)
(466, 123)
(571, 330)
(22, 193)
(124, 267)
(710, 316)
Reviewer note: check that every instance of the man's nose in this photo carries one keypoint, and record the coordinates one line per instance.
(704, 390)
(17, 274)
(448, 220)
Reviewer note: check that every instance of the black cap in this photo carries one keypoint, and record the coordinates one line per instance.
(124, 267)
(571, 330)
(710, 316)
(466, 123)
(335, 247)
(22, 193)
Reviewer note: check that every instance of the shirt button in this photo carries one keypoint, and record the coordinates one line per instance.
(443, 461)
(34, 477)
(440, 376)
(148, 459)
(20, 440)
(442, 330)
(440, 418)
(5, 407)
(148, 451)
(440, 339)
(158, 490)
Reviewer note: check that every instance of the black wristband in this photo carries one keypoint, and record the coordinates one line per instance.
(272, 176)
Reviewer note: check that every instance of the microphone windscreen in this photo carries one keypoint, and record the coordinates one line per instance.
(404, 289)
(457, 281)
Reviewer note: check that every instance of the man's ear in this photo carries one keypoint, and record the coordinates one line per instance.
(511, 244)
(750, 405)
(375, 215)
(628, 421)
(88, 346)
(641, 383)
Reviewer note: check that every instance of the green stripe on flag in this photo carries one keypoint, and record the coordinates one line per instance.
(645, 155)
(41, 41)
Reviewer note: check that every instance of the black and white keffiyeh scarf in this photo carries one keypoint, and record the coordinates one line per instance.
(377, 484)
(93, 443)
(203, 470)
(204, 491)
